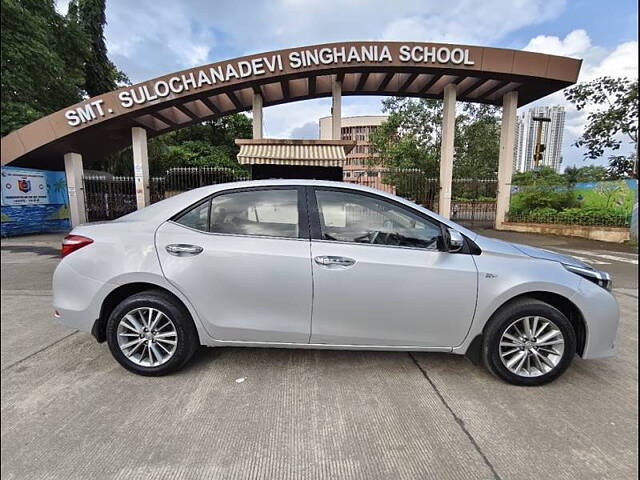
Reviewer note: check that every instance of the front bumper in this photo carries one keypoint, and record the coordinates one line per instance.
(602, 315)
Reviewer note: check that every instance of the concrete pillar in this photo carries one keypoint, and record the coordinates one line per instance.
(505, 158)
(73, 170)
(140, 166)
(256, 109)
(336, 109)
(446, 150)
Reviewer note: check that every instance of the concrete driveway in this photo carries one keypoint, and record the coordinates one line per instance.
(69, 411)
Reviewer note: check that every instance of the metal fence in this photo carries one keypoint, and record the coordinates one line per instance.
(107, 198)
(473, 199)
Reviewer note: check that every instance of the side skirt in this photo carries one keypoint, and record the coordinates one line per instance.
(325, 346)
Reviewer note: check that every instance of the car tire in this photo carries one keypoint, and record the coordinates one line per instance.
(165, 347)
(500, 340)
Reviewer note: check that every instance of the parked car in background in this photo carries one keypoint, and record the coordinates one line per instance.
(315, 264)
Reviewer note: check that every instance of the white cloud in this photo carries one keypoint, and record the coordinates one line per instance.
(468, 21)
(148, 38)
(574, 44)
(621, 61)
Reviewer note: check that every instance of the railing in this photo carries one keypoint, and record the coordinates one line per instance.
(473, 203)
(107, 198)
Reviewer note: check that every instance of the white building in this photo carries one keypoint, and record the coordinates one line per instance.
(526, 134)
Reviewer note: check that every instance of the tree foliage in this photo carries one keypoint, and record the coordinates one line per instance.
(612, 118)
(411, 138)
(100, 74)
(477, 143)
(210, 144)
(42, 66)
(46, 57)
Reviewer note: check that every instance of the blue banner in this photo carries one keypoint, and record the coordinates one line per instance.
(33, 201)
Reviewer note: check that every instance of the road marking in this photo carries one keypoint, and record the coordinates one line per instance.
(605, 256)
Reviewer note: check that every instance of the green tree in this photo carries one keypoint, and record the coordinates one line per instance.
(612, 117)
(210, 144)
(623, 167)
(544, 176)
(410, 138)
(42, 66)
(100, 74)
(588, 173)
(477, 143)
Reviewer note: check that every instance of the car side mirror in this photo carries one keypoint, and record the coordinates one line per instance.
(456, 241)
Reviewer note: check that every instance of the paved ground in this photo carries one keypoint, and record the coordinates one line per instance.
(68, 410)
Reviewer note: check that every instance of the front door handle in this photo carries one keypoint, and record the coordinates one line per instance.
(332, 261)
(183, 250)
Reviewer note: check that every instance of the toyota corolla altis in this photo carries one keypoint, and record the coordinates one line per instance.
(315, 264)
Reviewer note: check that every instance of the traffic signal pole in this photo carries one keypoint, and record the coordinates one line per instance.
(539, 150)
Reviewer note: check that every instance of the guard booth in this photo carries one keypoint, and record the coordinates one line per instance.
(299, 159)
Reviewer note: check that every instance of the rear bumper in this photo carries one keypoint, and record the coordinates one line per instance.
(77, 298)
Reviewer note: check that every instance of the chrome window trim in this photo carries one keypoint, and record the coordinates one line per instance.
(341, 242)
(237, 234)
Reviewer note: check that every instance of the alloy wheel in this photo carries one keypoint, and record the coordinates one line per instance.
(147, 337)
(531, 346)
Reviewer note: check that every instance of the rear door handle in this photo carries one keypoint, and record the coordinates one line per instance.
(333, 261)
(183, 250)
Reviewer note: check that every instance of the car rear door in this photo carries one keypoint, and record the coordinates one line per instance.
(242, 258)
(381, 276)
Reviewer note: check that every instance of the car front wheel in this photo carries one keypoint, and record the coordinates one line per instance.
(150, 333)
(529, 342)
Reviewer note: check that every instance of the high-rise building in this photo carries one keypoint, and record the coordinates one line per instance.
(526, 136)
(357, 168)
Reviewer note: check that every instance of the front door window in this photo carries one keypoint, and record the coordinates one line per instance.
(358, 218)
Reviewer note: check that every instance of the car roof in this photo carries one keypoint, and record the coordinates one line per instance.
(167, 208)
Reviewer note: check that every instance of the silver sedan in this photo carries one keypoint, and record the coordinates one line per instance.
(314, 264)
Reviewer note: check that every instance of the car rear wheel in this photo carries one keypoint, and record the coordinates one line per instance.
(150, 333)
(528, 342)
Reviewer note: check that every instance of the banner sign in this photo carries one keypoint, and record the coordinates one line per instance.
(24, 187)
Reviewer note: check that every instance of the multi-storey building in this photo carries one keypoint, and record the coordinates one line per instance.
(357, 168)
(526, 136)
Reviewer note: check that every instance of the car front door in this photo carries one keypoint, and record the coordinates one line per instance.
(381, 277)
(243, 260)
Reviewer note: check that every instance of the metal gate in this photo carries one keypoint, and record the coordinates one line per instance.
(108, 197)
(473, 202)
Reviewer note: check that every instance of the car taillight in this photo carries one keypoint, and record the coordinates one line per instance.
(71, 243)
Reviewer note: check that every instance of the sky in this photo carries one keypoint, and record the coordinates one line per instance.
(149, 38)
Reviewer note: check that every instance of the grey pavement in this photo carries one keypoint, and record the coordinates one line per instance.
(69, 411)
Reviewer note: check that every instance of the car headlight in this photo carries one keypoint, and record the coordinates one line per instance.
(596, 276)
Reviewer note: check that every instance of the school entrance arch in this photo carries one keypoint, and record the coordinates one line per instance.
(79, 135)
